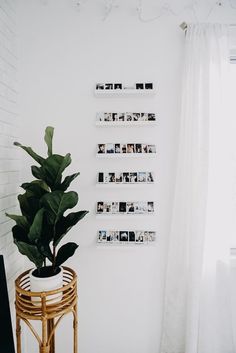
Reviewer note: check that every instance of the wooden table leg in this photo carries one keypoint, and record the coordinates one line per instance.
(18, 334)
(50, 323)
(75, 327)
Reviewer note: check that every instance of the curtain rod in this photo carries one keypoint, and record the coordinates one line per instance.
(184, 25)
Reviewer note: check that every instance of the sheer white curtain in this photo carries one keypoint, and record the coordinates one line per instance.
(197, 315)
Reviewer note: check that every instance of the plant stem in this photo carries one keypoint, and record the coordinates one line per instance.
(54, 259)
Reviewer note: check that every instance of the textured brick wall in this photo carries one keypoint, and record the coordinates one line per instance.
(9, 130)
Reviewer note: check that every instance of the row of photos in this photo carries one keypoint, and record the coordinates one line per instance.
(125, 207)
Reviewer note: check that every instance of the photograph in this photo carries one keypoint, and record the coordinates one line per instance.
(141, 177)
(106, 178)
(119, 177)
(114, 116)
(100, 206)
(130, 207)
(126, 178)
(100, 177)
(124, 235)
(100, 116)
(99, 86)
(144, 148)
(150, 206)
(102, 236)
(115, 207)
(133, 177)
(151, 236)
(151, 117)
(107, 207)
(110, 148)
(117, 85)
(121, 117)
(145, 236)
(139, 237)
(148, 85)
(151, 149)
(143, 117)
(139, 86)
(107, 117)
(130, 148)
(136, 116)
(129, 116)
(114, 235)
(101, 148)
(117, 147)
(141, 207)
(123, 148)
(138, 148)
(122, 207)
(132, 236)
(150, 178)
(108, 85)
(112, 177)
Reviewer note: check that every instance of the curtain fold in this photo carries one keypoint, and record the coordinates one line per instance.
(197, 315)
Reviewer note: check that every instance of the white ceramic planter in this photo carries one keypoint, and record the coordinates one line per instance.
(46, 284)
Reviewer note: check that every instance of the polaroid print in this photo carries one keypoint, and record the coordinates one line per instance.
(124, 236)
(142, 178)
(143, 117)
(133, 177)
(130, 148)
(107, 207)
(115, 236)
(123, 148)
(150, 207)
(151, 117)
(150, 177)
(121, 117)
(145, 236)
(126, 177)
(130, 207)
(151, 149)
(112, 177)
(138, 147)
(107, 117)
(100, 207)
(142, 207)
(108, 86)
(139, 86)
(151, 236)
(99, 86)
(101, 148)
(148, 85)
(114, 116)
(139, 237)
(117, 147)
(100, 177)
(106, 178)
(100, 116)
(136, 116)
(102, 236)
(122, 207)
(131, 236)
(115, 207)
(144, 148)
(119, 178)
(129, 116)
(108, 237)
(110, 148)
(117, 86)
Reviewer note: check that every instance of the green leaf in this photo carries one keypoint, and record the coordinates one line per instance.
(52, 169)
(36, 227)
(37, 188)
(29, 205)
(31, 251)
(20, 220)
(65, 252)
(48, 138)
(46, 251)
(57, 202)
(37, 172)
(20, 234)
(66, 223)
(29, 150)
(67, 181)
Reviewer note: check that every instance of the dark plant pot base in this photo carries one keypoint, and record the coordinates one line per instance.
(46, 271)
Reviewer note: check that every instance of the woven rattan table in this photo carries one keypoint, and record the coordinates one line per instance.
(46, 308)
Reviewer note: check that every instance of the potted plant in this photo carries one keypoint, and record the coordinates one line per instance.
(43, 224)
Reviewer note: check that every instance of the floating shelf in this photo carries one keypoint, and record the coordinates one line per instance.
(123, 185)
(125, 123)
(125, 155)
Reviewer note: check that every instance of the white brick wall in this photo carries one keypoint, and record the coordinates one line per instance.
(9, 127)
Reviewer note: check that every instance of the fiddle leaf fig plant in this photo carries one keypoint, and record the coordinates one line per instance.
(43, 223)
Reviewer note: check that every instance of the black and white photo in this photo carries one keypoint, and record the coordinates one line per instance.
(141, 177)
(124, 235)
(100, 207)
(122, 207)
(101, 148)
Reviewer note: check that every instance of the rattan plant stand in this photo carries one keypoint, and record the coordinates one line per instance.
(48, 307)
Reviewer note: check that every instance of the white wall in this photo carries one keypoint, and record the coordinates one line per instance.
(63, 53)
(9, 123)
